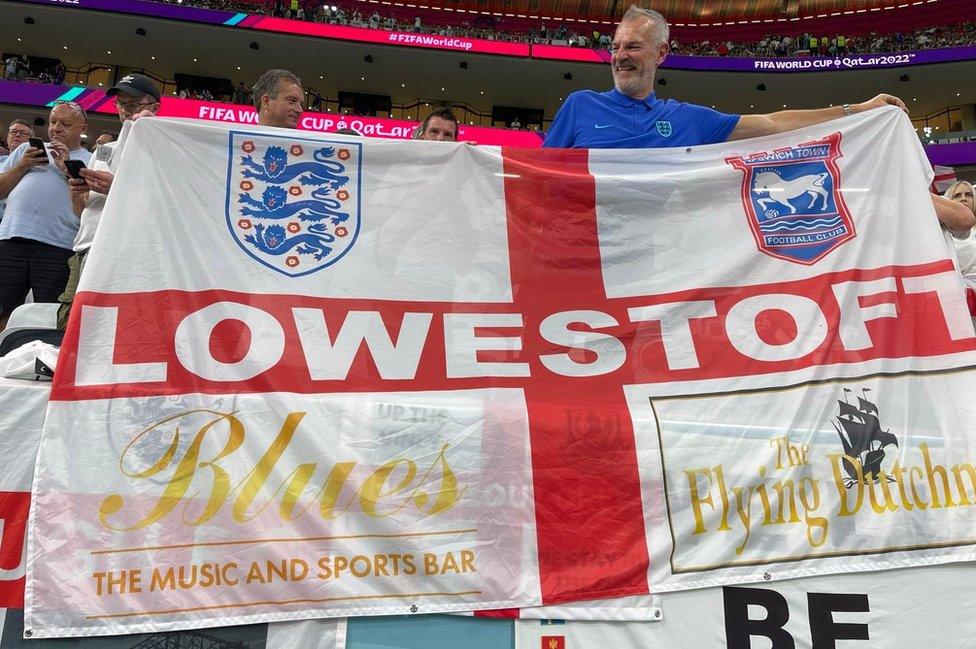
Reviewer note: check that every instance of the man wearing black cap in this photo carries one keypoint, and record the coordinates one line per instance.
(136, 96)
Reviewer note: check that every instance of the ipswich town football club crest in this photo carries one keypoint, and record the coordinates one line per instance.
(793, 201)
(292, 203)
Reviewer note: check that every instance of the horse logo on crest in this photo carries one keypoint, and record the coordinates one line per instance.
(293, 205)
(793, 201)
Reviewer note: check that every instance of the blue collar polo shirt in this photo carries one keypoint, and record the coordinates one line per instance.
(612, 120)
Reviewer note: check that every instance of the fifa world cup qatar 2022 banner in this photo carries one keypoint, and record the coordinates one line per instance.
(313, 376)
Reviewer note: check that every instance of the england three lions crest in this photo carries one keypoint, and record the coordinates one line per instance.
(793, 202)
(293, 203)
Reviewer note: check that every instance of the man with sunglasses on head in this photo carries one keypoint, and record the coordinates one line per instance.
(136, 96)
(39, 226)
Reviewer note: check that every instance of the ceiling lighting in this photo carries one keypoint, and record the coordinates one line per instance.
(442, 89)
(108, 51)
(362, 78)
(20, 40)
(194, 60)
(403, 85)
(784, 105)
(65, 46)
(321, 77)
(238, 67)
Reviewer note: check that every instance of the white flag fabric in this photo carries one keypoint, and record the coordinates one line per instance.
(307, 634)
(22, 406)
(313, 376)
(918, 607)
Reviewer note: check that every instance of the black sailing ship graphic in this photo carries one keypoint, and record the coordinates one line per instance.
(859, 428)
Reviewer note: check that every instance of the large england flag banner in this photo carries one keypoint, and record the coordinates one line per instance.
(315, 376)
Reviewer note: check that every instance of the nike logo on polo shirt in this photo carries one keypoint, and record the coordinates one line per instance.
(602, 125)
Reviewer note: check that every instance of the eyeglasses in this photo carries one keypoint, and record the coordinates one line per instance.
(132, 107)
(20, 133)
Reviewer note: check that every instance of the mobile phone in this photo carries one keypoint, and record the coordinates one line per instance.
(38, 143)
(74, 168)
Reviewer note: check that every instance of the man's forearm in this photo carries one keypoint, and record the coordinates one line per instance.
(9, 180)
(787, 120)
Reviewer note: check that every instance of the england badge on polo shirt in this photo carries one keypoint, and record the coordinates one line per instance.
(293, 204)
(792, 200)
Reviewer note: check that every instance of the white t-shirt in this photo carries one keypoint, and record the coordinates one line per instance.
(39, 206)
(101, 160)
(965, 253)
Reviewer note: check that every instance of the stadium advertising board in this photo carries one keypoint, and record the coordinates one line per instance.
(404, 39)
(95, 100)
(785, 64)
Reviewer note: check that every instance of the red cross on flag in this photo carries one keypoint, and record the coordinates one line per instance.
(311, 376)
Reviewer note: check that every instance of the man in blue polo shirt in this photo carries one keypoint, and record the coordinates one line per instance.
(631, 117)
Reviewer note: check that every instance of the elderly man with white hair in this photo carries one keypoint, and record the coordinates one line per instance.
(630, 116)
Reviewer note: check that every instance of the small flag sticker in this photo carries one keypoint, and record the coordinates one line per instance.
(553, 642)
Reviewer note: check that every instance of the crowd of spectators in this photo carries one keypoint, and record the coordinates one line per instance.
(486, 27)
(21, 68)
(815, 44)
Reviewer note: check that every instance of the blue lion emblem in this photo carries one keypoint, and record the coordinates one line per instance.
(274, 241)
(274, 205)
(293, 205)
(275, 168)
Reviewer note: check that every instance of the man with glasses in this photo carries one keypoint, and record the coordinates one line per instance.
(19, 131)
(136, 96)
(39, 227)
